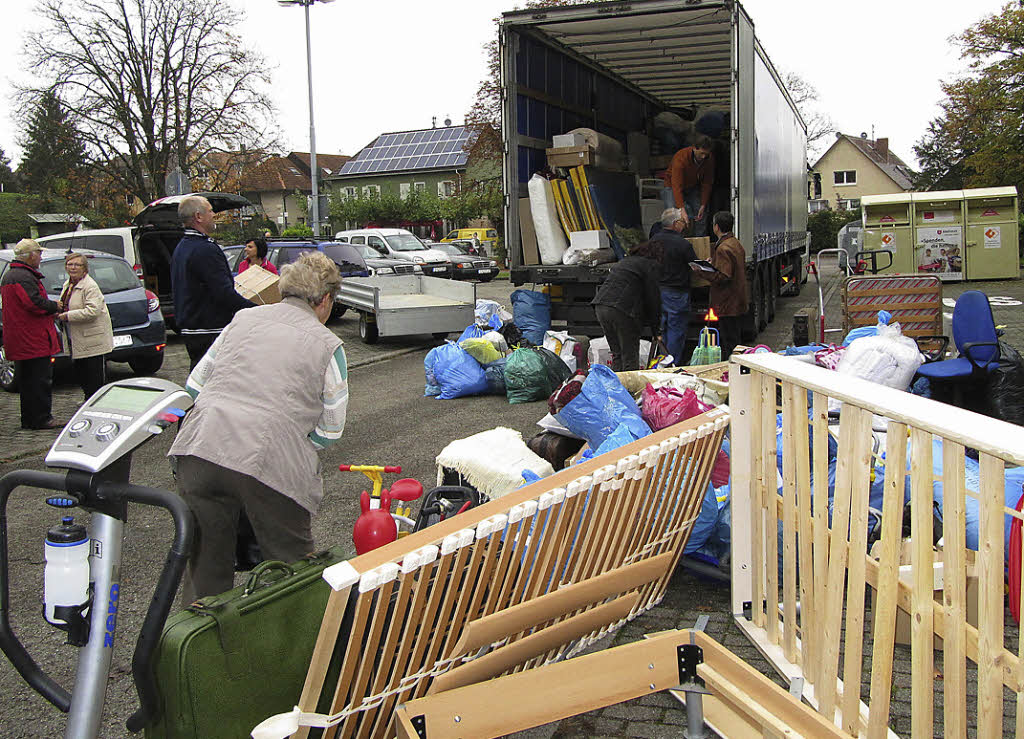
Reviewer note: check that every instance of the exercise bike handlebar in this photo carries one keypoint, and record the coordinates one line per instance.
(159, 607)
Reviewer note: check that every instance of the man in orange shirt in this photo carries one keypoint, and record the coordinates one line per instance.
(690, 176)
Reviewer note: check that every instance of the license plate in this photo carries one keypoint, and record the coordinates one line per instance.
(439, 269)
(485, 271)
(122, 341)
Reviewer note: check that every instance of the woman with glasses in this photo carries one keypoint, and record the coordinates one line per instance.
(85, 315)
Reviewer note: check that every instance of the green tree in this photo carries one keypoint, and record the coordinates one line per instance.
(979, 138)
(825, 224)
(154, 84)
(53, 162)
(8, 180)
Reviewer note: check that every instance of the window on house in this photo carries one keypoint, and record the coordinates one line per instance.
(813, 206)
(403, 190)
(371, 190)
(849, 204)
(348, 192)
(419, 186)
(445, 189)
(845, 177)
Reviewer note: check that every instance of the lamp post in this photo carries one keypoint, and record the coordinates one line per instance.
(314, 173)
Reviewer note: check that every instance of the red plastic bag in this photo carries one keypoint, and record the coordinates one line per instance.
(665, 406)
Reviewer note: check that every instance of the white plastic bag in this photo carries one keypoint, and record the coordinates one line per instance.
(498, 341)
(888, 358)
(550, 237)
(599, 353)
(562, 344)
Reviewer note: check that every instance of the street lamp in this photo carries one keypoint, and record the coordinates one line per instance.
(313, 171)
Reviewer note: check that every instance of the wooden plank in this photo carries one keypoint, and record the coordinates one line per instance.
(990, 596)
(789, 554)
(888, 577)
(954, 591)
(833, 614)
(769, 497)
(326, 640)
(805, 536)
(853, 653)
(819, 463)
(757, 525)
(922, 685)
(742, 479)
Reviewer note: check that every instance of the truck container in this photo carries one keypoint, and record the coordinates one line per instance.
(614, 66)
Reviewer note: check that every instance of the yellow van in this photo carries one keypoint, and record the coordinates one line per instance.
(486, 236)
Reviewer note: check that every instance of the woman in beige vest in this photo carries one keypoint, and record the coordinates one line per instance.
(85, 314)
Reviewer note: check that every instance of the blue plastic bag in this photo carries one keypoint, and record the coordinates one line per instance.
(603, 404)
(472, 332)
(457, 373)
(495, 374)
(432, 389)
(531, 312)
(884, 317)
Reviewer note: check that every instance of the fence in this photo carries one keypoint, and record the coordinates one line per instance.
(528, 578)
(787, 531)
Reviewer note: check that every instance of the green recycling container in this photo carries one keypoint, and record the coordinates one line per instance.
(939, 233)
(887, 227)
(992, 233)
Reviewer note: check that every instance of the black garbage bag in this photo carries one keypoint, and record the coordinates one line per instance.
(513, 336)
(1006, 386)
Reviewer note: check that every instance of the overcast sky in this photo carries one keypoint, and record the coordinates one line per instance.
(390, 65)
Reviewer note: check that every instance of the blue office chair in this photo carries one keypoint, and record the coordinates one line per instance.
(976, 341)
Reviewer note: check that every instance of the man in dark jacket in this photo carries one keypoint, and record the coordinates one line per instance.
(628, 300)
(729, 293)
(677, 253)
(30, 338)
(205, 299)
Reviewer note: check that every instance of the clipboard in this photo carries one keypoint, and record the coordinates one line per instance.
(704, 265)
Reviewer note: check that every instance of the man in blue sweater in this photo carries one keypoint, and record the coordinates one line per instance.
(205, 300)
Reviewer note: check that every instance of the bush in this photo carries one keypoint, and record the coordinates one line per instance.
(302, 232)
(825, 224)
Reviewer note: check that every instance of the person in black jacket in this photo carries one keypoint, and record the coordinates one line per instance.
(205, 300)
(628, 300)
(677, 253)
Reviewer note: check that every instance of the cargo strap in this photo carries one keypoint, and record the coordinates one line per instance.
(284, 725)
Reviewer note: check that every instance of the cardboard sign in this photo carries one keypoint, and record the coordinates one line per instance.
(993, 237)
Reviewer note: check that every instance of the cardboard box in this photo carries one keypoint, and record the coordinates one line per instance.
(531, 253)
(568, 139)
(590, 240)
(702, 247)
(570, 156)
(258, 285)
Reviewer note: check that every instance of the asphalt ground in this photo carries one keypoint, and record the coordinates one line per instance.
(389, 422)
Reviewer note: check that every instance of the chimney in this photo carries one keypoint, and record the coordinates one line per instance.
(882, 147)
(433, 122)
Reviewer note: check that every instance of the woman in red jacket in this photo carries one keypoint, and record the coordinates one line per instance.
(256, 255)
(30, 338)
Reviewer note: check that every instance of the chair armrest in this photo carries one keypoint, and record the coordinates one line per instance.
(932, 355)
(966, 352)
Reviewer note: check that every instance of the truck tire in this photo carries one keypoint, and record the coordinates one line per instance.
(368, 329)
(338, 311)
(796, 274)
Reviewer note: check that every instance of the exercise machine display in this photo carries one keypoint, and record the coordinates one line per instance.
(92, 467)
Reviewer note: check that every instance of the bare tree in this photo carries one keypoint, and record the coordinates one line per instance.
(819, 125)
(154, 83)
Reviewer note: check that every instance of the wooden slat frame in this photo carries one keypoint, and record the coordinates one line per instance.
(418, 595)
(840, 571)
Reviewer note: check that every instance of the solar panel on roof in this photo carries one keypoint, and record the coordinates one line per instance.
(408, 150)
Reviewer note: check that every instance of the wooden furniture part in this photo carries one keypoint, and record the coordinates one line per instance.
(744, 702)
(789, 526)
(915, 302)
(529, 578)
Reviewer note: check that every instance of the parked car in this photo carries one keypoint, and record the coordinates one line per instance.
(385, 265)
(139, 331)
(488, 237)
(280, 253)
(465, 266)
(148, 243)
(397, 243)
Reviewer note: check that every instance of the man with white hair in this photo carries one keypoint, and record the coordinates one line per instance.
(205, 299)
(30, 338)
(677, 253)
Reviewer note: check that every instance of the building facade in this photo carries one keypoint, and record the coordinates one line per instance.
(852, 168)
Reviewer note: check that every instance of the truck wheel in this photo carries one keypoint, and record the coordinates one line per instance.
(796, 274)
(338, 311)
(367, 329)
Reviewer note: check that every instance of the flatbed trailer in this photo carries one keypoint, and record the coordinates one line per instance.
(405, 305)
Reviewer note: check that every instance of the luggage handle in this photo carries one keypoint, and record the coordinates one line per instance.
(270, 565)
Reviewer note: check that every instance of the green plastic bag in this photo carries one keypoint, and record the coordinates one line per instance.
(708, 351)
(533, 374)
(482, 350)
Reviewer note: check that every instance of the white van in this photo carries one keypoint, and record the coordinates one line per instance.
(148, 243)
(397, 243)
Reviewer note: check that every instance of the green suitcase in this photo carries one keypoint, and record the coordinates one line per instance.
(231, 660)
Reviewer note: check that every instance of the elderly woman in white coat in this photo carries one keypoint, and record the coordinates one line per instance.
(85, 314)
